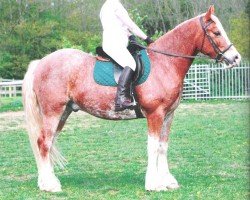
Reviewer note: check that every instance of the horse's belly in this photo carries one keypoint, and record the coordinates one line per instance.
(110, 114)
(102, 103)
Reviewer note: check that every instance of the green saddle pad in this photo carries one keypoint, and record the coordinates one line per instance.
(104, 71)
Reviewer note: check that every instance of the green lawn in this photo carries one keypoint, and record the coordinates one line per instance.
(10, 104)
(107, 159)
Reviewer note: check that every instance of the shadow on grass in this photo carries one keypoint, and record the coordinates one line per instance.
(103, 181)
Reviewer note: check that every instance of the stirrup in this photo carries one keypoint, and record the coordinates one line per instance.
(121, 106)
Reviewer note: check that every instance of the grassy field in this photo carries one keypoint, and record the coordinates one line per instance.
(10, 104)
(107, 159)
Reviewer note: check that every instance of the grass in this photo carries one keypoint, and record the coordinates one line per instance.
(107, 159)
(10, 104)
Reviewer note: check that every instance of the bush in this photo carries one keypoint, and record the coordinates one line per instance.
(239, 34)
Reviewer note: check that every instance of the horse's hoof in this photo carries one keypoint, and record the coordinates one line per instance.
(54, 190)
(163, 188)
(50, 188)
(170, 182)
(156, 189)
(49, 184)
(173, 186)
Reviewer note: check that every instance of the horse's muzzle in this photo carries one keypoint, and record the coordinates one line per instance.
(231, 61)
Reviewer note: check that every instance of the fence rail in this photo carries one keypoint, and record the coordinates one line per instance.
(10, 88)
(214, 82)
(201, 82)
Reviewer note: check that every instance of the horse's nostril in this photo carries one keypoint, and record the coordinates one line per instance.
(236, 57)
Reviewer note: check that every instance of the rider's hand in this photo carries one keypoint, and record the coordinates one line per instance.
(132, 39)
(148, 40)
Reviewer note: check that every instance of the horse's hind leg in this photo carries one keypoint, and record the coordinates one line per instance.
(48, 155)
(47, 180)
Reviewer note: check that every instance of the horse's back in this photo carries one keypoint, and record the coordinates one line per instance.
(68, 58)
(62, 63)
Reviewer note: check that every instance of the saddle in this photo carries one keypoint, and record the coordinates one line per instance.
(107, 71)
(135, 51)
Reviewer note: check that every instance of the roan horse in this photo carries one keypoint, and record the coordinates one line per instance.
(67, 76)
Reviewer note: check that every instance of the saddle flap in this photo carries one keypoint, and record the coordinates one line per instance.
(134, 50)
(138, 72)
(108, 73)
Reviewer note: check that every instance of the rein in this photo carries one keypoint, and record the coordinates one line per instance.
(172, 54)
(218, 58)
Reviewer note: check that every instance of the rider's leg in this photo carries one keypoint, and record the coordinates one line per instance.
(123, 57)
(123, 96)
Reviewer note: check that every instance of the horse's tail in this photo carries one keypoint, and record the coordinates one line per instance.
(31, 109)
(34, 118)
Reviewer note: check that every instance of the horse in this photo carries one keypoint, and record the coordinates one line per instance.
(65, 77)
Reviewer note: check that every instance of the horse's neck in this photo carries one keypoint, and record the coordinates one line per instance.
(182, 40)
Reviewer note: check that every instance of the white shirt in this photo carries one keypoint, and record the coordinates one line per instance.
(115, 19)
(117, 27)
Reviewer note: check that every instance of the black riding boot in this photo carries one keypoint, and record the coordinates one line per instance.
(123, 97)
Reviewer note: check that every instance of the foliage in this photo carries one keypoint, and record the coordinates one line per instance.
(32, 29)
(208, 155)
(240, 34)
(141, 21)
(87, 42)
(28, 38)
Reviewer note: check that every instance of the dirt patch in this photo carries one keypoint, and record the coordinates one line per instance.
(16, 120)
(12, 121)
(12, 114)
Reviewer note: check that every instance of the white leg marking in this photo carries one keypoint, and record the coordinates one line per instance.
(158, 176)
(47, 181)
(152, 179)
(167, 180)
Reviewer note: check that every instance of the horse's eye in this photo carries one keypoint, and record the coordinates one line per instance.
(217, 33)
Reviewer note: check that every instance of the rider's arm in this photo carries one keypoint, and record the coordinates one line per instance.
(122, 14)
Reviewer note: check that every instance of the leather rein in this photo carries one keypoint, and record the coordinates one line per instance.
(220, 54)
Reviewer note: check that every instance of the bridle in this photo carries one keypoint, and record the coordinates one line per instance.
(220, 54)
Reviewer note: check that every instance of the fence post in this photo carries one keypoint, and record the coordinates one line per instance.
(208, 69)
(10, 91)
(14, 88)
(195, 75)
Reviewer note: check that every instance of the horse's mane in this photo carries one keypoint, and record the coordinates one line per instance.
(182, 24)
(171, 38)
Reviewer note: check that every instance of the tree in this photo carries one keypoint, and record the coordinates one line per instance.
(240, 31)
(31, 29)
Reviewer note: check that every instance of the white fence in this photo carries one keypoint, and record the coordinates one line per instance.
(202, 82)
(10, 88)
(213, 82)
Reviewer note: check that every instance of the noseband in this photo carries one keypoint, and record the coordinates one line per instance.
(220, 54)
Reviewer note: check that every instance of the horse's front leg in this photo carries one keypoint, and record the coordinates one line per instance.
(158, 176)
(166, 179)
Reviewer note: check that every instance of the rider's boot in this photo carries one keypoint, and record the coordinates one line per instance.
(123, 96)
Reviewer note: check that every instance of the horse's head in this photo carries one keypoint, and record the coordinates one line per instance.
(215, 41)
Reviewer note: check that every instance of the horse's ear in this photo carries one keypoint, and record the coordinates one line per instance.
(209, 13)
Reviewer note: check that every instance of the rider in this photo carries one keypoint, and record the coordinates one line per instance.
(117, 30)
